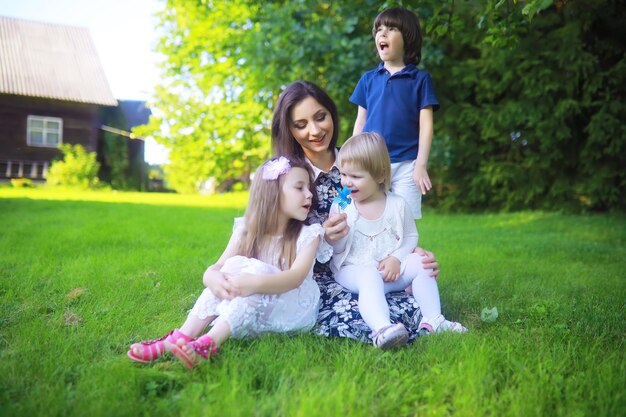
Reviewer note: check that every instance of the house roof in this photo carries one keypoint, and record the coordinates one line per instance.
(51, 61)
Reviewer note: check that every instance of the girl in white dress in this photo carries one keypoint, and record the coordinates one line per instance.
(263, 282)
(375, 257)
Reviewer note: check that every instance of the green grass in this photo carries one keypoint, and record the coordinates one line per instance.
(83, 275)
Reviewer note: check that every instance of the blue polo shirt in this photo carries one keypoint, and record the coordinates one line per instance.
(393, 104)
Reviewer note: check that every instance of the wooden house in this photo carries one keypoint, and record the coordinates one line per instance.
(53, 90)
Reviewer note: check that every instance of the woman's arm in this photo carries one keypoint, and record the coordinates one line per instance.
(282, 281)
(361, 117)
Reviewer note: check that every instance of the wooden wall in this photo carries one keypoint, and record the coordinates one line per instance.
(80, 126)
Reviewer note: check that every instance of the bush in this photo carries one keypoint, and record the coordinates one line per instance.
(78, 168)
(536, 120)
(21, 183)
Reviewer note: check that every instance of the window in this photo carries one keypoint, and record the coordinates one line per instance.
(44, 131)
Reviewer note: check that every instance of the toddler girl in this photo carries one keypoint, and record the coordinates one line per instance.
(376, 256)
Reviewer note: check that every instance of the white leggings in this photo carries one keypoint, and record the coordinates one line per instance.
(368, 283)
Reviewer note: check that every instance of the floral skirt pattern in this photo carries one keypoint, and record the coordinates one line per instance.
(339, 314)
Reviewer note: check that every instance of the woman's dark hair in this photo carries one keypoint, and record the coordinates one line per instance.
(283, 142)
(407, 22)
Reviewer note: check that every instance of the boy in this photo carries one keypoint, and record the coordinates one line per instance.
(397, 101)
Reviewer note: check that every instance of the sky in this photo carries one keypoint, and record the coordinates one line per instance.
(124, 34)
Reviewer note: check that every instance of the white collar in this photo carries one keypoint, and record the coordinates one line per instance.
(316, 170)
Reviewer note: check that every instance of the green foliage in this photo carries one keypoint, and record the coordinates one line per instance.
(119, 169)
(21, 182)
(211, 123)
(155, 172)
(533, 122)
(532, 92)
(115, 152)
(536, 6)
(227, 63)
(78, 168)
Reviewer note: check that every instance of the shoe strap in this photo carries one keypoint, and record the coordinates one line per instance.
(153, 341)
(205, 346)
(432, 324)
(175, 335)
(380, 331)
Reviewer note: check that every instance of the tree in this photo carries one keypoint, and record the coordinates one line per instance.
(226, 64)
(532, 92)
(533, 109)
(114, 151)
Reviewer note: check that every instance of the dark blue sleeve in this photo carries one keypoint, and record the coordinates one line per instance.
(359, 96)
(426, 93)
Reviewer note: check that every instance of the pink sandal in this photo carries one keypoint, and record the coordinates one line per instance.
(154, 349)
(203, 347)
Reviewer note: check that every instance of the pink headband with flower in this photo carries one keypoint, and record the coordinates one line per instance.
(275, 168)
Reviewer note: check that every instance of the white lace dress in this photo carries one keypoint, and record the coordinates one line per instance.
(291, 311)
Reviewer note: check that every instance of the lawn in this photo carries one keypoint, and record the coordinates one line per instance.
(84, 275)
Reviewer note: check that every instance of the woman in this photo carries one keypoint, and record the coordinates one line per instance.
(304, 125)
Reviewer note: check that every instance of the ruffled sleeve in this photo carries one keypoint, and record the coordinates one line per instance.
(239, 225)
(308, 233)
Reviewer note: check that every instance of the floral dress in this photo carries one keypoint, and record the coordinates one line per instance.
(339, 314)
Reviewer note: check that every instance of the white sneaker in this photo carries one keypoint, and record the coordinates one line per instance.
(440, 324)
(391, 336)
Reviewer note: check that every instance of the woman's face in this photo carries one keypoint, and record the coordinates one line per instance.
(311, 125)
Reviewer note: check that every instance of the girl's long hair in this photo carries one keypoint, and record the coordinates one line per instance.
(261, 219)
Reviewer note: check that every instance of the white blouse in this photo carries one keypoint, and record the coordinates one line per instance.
(370, 241)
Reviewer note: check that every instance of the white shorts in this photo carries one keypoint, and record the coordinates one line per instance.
(403, 185)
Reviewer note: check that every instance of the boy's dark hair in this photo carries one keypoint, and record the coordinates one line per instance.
(408, 24)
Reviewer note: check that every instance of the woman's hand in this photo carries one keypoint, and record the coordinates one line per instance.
(336, 227)
(219, 284)
(389, 268)
(428, 261)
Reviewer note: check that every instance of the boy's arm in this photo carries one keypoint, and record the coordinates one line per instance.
(282, 281)
(420, 173)
(361, 117)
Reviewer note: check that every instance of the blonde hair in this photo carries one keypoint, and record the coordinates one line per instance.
(261, 218)
(368, 151)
